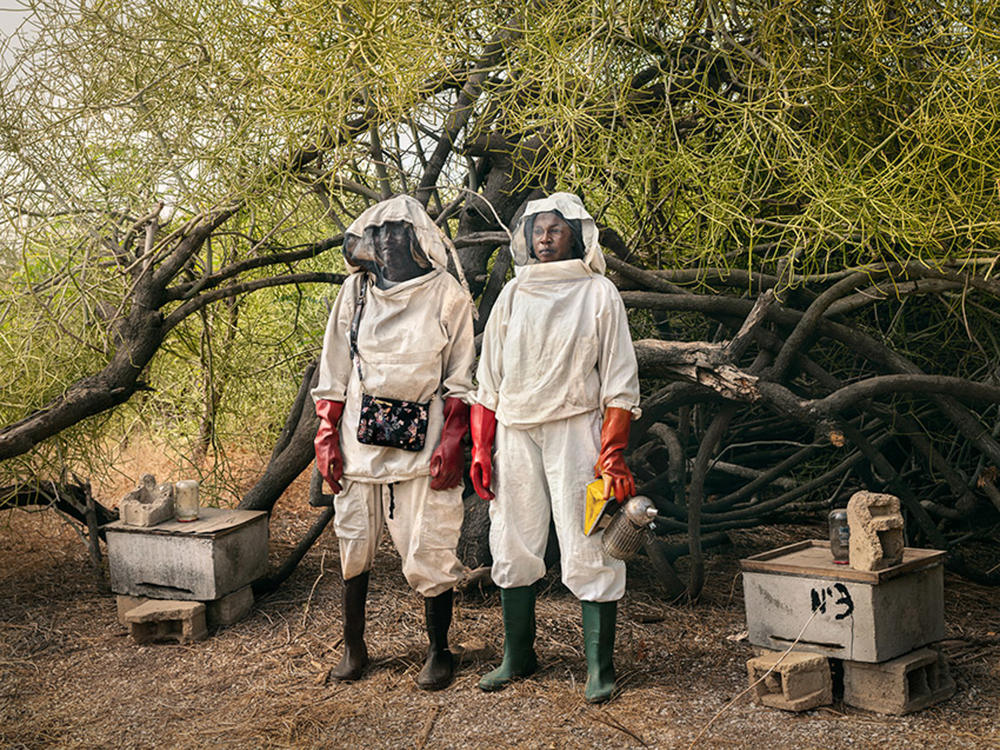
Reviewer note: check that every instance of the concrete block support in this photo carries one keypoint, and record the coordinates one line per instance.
(229, 609)
(876, 526)
(908, 683)
(126, 604)
(167, 620)
(797, 682)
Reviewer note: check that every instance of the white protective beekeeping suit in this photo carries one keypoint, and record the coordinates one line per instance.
(556, 353)
(415, 343)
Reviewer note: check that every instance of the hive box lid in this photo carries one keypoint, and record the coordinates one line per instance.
(212, 522)
(811, 558)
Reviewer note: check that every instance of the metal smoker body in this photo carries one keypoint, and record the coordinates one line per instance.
(629, 527)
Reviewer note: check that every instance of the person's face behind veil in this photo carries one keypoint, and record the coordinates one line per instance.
(398, 255)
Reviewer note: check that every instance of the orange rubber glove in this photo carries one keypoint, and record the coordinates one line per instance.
(329, 459)
(448, 459)
(484, 428)
(611, 461)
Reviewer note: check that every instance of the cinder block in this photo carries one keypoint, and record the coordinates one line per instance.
(908, 683)
(230, 608)
(876, 526)
(126, 604)
(797, 682)
(167, 620)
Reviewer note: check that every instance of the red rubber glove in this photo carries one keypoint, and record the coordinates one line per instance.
(484, 428)
(329, 459)
(448, 459)
(611, 461)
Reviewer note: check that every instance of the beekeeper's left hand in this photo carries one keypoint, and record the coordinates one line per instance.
(448, 459)
(611, 461)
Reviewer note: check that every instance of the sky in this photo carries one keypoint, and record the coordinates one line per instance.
(11, 16)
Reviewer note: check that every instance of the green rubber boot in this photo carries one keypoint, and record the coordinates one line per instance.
(599, 645)
(518, 638)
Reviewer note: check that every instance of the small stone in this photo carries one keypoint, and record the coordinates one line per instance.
(473, 650)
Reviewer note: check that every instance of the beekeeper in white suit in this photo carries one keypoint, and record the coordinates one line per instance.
(558, 388)
(394, 382)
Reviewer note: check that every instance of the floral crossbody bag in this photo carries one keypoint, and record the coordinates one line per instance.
(389, 422)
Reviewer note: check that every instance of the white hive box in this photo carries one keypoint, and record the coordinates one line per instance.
(866, 616)
(201, 560)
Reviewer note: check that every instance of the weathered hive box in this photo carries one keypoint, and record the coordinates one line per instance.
(867, 616)
(201, 560)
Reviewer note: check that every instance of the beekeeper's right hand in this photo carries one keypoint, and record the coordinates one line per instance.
(329, 459)
(483, 424)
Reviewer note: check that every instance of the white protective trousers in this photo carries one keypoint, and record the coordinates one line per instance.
(543, 470)
(424, 525)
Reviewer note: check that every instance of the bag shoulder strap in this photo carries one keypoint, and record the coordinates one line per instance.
(359, 306)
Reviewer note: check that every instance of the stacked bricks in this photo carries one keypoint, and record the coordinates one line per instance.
(792, 681)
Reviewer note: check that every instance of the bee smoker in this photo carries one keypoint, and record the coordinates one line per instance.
(628, 527)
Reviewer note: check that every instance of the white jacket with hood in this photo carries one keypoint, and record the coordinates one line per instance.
(557, 343)
(415, 342)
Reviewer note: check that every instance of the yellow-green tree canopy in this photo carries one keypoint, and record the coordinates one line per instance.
(174, 177)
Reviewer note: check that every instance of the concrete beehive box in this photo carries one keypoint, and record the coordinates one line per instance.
(203, 560)
(864, 616)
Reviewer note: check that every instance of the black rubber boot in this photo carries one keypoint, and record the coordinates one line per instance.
(355, 659)
(518, 638)
(599, 645)
(439, 668)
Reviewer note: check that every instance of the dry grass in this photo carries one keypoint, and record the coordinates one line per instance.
(71, 677)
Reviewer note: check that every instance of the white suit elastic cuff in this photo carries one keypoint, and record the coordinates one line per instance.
(636, 411)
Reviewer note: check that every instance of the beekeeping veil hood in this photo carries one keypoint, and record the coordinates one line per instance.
(359, 250)
(570, 208)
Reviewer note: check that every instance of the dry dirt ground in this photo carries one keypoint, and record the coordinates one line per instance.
(70, 676)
